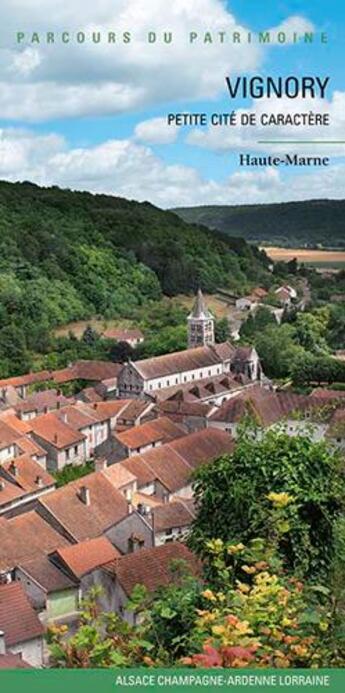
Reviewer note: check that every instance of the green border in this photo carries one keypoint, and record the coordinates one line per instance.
(107, 680)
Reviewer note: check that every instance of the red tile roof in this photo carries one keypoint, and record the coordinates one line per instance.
(56, 432)
(13, 661)
(18, 620)
(27, 473)
(179, 361)
(122, 335)
(107, 506)
(47, 575)
(107, 410)
(173, 463)
(26, 536)
(39, 401)
(152, 567)
(27, 379)
(88, 370)
(173, 515)
(161, 429)
(86, 556)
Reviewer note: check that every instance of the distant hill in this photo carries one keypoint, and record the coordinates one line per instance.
(288, 224)
(67, 256)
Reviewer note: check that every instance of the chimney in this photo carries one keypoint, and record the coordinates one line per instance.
(130, 507)
(55, 438)
(58, 404)
(13, 469)
(39, 481)
(100, 464)
(84, 495)
(2, 643)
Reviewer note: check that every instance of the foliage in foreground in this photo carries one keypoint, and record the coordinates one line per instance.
(232, 501)
(251, 613)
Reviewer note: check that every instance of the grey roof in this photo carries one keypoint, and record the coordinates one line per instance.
(200, 309)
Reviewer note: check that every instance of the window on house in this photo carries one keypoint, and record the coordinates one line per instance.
(209, 372)
(68, 452)
(76, 449)
(185, 379)
(168, 383)
(159, 385)
(176, 380)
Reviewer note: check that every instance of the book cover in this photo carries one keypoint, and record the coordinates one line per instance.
(172, 344)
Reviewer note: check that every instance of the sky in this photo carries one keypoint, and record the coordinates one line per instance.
(94, 116)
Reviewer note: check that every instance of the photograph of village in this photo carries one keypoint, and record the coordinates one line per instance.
(172, 434)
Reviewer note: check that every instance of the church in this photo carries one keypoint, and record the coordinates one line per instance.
(203, 359)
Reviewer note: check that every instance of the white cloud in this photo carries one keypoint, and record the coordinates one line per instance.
(155, 131)
(76, 80)
(131, 170)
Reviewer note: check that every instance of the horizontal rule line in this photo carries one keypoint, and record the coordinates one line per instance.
(301, 142)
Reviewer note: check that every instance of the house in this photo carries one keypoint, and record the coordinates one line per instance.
(167, 470)
(297, 414)
(208, 391)
(83, 562)
(25, 537)
(141, 378)
(134, 413)
(21, 631)
(252, 300)
(153, 568)
(246, 361)
(89, 371)
(122, 479)
(20, 383)
(132, 337)
(84, 509)
(52, 593)
(171, 521)
(89, 422)
(191, 415)
(285, 294)
(22, 481)
(139, 439)
(40, 403)
(63, 444)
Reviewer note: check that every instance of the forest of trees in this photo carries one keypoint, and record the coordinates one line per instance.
(68, 256)
(288, 223)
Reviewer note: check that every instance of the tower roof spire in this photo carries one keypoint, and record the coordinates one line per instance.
(200, 309)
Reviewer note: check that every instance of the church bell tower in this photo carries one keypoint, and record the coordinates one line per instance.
(200, 324)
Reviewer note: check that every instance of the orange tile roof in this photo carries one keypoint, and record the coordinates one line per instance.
(18, 619)
(119, 475)
(88, 370)
(173, 463)
(161, 429)
(8, 435)
(172, 515)
(30, 447)
(9, 491)
(38, 401)
(14, 422)
(27, 379)
(122, 335)
(107, 410)
(27, 473)
(88, 555)
(56, 432)
(26, 536)
(152, 567)
(107, 506)
(13, 661)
